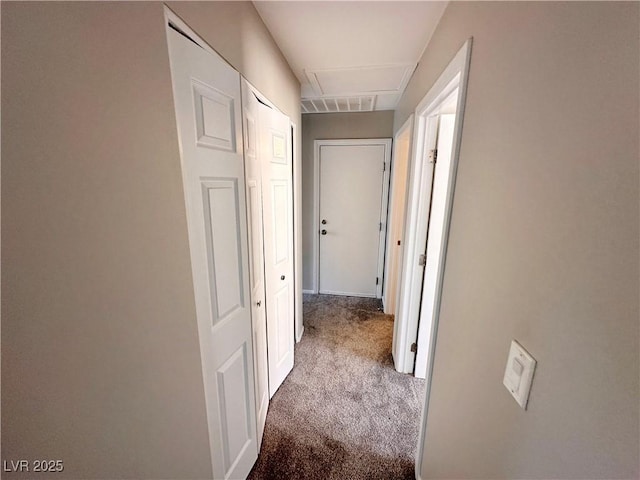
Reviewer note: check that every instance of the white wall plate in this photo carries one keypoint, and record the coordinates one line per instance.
(519, 373)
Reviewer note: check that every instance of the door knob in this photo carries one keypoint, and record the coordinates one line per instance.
(282, 277)
(324, 222)
(323, 232)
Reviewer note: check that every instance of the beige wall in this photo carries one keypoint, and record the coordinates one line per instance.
(322, 126)
(100, 355)
(544, 243)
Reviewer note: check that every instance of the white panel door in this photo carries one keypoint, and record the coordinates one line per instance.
(351, 203)
(207, 100)
(253, 172)
(277, 195)
(435, 242)
(397, 202)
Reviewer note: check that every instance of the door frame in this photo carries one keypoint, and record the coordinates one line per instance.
(455, 75)
(317, 144)
(405, 129)
(297, 229)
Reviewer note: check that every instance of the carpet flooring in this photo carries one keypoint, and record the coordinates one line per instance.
(343, 412)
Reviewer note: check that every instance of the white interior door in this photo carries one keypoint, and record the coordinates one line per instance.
(207, 101)
(277, 177)
(253, 172)
(419, 202)
(435, 250)
(398, 198)
(352, 216)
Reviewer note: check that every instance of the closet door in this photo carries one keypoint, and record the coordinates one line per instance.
(253, 172)
(207, 101)
(277, 174)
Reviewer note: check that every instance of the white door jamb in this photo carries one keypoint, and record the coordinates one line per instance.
(297, 232)
(407, 127)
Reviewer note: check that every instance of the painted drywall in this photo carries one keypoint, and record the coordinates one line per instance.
(100, 354)
(324, 126)
(544, 243)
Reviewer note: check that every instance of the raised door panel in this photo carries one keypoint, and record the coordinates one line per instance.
(278, 148)
(280, 220)
(214, 117)
(222, 228)
(283, 324)
(233, 378)
(254, 212)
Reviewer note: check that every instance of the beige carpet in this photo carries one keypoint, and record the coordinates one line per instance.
(343, 412)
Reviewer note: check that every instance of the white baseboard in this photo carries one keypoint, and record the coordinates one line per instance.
(347, 294)
(308, 291)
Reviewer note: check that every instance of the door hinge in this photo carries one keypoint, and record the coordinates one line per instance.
(377, 280)
(384, 166)
(422, 260)
(380, 227)
(433, 155)
(414, 347)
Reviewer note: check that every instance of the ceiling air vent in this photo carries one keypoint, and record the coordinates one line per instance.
(338, 104)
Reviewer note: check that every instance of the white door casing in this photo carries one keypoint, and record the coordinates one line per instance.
(253, 173)
(297, 228)
(397, 206)
(454, 77)
(207, 102)
(352, 181)
(277, 190)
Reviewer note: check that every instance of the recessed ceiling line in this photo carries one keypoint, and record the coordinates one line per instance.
(341, 50)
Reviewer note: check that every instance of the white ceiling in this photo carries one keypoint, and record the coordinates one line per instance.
(347, 52)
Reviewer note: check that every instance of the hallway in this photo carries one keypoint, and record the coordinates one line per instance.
(343, 412)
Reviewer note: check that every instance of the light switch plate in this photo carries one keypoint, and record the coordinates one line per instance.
(519, 373)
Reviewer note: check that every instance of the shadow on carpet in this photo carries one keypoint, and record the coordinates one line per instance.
(343, 412)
